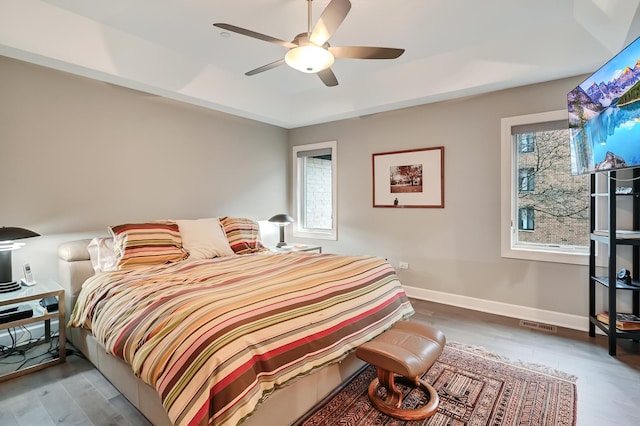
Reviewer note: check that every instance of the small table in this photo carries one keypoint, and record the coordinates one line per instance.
(32, 296)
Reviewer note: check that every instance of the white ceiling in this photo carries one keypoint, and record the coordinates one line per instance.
(453, 48)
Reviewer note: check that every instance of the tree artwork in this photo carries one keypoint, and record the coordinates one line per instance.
(404, 179)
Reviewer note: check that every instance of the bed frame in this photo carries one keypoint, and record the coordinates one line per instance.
(281, 408)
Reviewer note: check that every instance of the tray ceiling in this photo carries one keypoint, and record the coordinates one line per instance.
(453, 48)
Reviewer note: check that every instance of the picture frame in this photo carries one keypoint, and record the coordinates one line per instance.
(411, 178)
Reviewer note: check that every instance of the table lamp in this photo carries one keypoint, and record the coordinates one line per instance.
(282, 220)
(7, 245)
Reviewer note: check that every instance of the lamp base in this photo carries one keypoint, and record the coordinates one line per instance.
(281, 244)
(9, 286)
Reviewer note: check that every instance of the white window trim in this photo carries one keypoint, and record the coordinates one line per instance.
(298, 230)
(508, 209)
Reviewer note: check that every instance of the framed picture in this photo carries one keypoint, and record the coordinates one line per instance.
(412, 178)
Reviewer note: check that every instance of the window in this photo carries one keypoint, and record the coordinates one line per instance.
(526, 179)
(525, 218)
(527, 142)
(544, 208)
(314, 190)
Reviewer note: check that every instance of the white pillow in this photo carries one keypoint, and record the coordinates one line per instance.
(204, 238)
(102, 254)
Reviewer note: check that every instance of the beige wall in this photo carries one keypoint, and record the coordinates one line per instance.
(78, 154)
(453, 253)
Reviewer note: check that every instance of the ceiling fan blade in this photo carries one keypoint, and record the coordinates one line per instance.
(265, 67)
(365, 52)
(254, 34)
(328, 77)
(329, 21)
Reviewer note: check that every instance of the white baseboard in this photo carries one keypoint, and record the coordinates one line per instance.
(558, 319)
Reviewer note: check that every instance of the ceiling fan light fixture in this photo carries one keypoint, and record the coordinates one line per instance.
(309, 58)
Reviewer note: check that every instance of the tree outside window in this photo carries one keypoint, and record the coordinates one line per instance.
(545, 208)
(559, 200)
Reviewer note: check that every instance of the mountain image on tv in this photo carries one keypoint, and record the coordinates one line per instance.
(604, 115)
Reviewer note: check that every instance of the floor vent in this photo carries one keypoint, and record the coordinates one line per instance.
(538, 326)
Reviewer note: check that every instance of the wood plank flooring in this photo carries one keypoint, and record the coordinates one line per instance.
(608, 387)
(73, 393)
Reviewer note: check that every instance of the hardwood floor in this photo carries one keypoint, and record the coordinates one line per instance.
(73, 393)
(608, 387)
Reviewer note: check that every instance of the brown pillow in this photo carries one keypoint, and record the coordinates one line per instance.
(243, 235)
(150, 243)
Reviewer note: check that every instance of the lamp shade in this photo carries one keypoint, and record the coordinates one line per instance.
(7, 236)
(309, 58)
(10, 233)
(281, 218)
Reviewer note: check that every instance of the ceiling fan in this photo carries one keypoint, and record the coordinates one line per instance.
(310, 52)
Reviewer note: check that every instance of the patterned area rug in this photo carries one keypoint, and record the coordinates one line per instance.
(475, 388)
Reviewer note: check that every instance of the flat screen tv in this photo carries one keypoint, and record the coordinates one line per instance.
(604, 116)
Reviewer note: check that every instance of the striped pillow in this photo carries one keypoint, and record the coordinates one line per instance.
(150, 243)
(243, 235)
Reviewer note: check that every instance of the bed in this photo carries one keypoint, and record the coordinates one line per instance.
(251, 338)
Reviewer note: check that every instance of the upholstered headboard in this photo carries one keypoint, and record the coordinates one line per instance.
(74, 267)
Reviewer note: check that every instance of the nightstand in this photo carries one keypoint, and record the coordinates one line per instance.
(31, 296)
(298, 247)
(306, 247)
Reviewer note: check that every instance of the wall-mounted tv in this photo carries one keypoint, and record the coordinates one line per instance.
(604, 115)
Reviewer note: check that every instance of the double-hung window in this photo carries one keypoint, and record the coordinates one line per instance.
(544, 208)
(315, 190)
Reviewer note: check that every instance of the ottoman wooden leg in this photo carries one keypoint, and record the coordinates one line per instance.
(392, 403)
(387, 380)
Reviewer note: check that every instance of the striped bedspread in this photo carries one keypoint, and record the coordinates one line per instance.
(215, 337)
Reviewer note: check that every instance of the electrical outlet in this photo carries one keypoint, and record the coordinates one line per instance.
(403, 265)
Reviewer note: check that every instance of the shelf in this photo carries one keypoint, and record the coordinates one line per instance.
(624, 334)
(604, 194)
(31, 319)
(32, 296)
(621, 241)
(625, 244)
(619, 285)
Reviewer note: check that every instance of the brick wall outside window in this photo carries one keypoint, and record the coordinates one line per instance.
(318, 193)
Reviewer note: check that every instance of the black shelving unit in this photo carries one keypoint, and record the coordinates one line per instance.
(630, 245)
